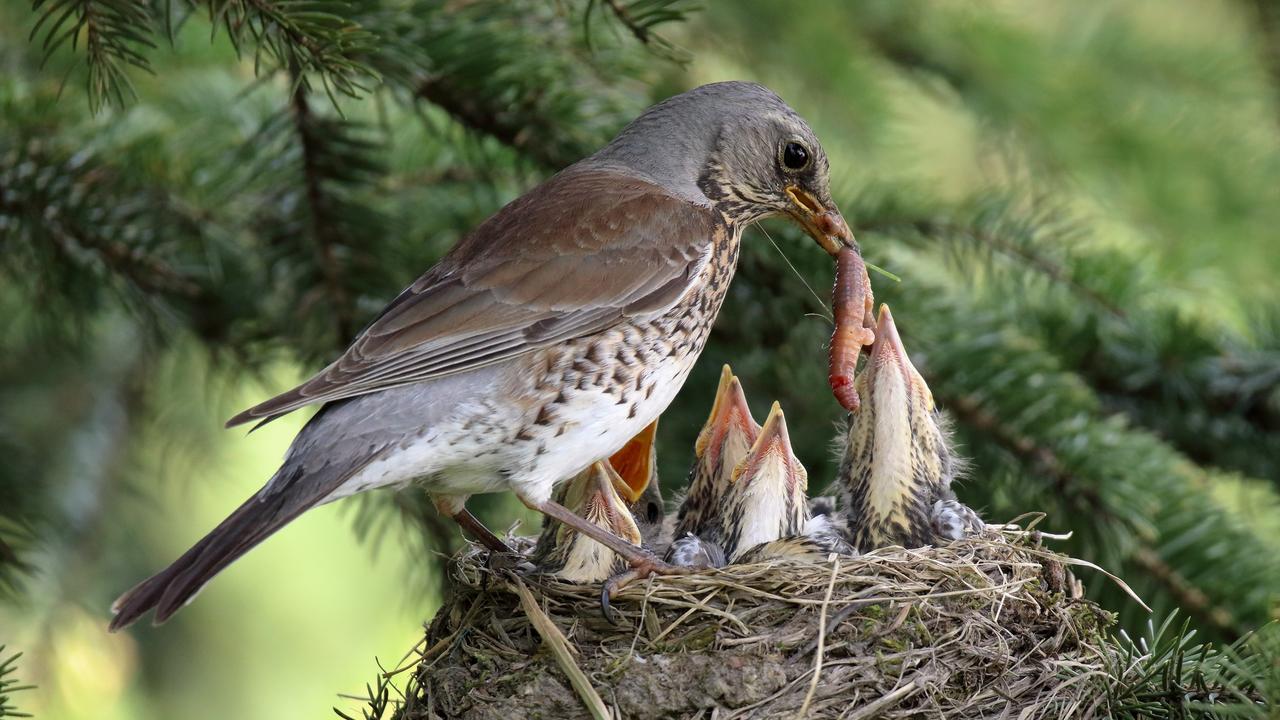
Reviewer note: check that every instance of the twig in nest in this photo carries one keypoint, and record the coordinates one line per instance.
(822, 636)
(559, 647)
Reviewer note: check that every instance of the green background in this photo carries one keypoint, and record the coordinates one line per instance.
(1128, 151)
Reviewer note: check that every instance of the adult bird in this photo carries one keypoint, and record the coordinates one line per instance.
(897, 465)
(546, 338)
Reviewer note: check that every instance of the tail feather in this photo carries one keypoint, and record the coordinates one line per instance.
(170, 589)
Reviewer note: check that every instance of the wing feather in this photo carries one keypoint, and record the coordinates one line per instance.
(574, 256)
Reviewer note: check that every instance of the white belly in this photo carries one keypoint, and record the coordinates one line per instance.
(460, 456)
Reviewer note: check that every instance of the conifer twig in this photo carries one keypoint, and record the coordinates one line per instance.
(1068, 487)
(322, 226)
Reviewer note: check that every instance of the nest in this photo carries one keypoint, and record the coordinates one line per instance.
(990, 626)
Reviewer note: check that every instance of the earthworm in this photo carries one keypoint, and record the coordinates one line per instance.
(851, 304)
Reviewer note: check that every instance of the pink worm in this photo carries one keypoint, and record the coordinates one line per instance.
(851, 303)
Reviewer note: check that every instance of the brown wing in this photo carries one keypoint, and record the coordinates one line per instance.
(570, 258)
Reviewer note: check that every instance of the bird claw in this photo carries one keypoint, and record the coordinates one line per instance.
(641, 568)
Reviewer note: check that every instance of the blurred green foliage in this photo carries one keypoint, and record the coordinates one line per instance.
(200, 202)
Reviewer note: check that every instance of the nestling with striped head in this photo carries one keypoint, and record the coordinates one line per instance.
(897, 464)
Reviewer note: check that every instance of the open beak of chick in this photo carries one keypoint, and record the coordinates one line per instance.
(766, 499)
(636, 463)
(606, 506)
(724, 440)
(730, 430)
(637, 466)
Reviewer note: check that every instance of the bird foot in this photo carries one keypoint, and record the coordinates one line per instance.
(483, 535)
(642, 566)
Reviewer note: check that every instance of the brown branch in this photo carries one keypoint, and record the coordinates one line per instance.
(1065, 484)
(640, 32)
(322, 225)
(150, 274)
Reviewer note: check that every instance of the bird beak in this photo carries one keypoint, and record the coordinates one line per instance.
(773, 445)
(824, 224)
(728, 412)
(887, 350)
(888, 358)
(635, 462)
(605, 505)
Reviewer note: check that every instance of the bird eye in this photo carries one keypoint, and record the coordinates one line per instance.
(794, 156)
(653, 513)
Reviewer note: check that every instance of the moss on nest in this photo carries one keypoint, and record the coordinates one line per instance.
(983, 627)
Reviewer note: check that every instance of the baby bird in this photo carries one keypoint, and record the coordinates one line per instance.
(593, 494)
(723, 442)
(895, 474)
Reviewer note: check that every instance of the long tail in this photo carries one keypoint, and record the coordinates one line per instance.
(172, 588)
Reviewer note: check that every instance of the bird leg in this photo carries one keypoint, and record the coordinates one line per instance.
(643, 563)
(476, 529)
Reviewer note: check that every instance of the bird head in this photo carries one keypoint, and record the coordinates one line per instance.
(740, 146)
(594, 494)
(722, 443)
(897, 454)
(729, 431)
(766, 499)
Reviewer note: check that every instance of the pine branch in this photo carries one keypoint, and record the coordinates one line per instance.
(310, 37)
(150, 274)
(525, 75)
(1043, 460)
(80, 219)
(324, 227)
(511, 127)
(16, 540)
(10, 685)
(317, 37)
(1163, 674)
(1025, 253)
(115, 32)
(640, 17)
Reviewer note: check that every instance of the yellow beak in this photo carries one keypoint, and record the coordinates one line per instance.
(824, 224)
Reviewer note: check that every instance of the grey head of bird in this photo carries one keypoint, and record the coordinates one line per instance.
(766, 499)
(741, 146)
(594, 495)
(722, 443)
(897, 460)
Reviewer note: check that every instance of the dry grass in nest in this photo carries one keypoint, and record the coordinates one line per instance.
(981, 628)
